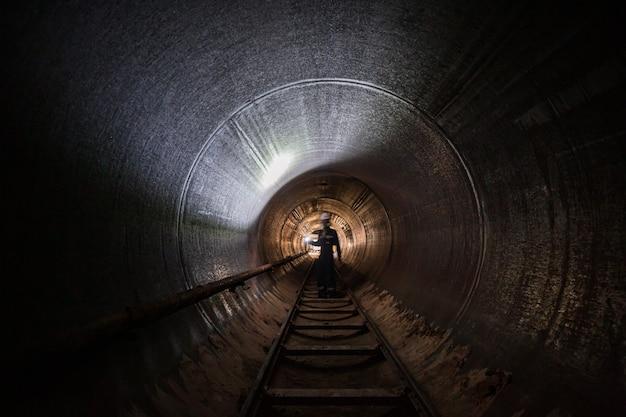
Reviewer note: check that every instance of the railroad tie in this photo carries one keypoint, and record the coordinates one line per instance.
(362, 371)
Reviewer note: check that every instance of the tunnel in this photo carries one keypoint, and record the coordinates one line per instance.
(470, 155)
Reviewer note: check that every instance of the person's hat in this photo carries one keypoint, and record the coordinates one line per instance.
(325, 216)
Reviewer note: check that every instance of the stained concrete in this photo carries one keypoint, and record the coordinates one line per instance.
(140, 139)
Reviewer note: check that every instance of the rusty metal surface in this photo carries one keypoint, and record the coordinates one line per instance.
(142, 143)
(106, 328)
(280, 382)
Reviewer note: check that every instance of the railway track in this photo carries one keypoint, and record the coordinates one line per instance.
(330, 359)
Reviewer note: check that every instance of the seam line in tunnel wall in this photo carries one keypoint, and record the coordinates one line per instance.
(353, 83)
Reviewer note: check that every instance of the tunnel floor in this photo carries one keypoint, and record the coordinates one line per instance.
(330, 359)
(470, 155)
(325, 355)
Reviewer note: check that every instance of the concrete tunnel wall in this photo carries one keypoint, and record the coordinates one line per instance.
(141, 143)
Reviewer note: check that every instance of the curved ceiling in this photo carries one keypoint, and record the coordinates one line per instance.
(351, 127)
(150, 140)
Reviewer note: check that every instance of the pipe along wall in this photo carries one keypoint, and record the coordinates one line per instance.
(471, 157)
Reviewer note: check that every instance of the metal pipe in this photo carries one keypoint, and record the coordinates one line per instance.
(141, 315)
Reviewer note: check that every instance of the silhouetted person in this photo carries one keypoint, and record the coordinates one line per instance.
(326, 238)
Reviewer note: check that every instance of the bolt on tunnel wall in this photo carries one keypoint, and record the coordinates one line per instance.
(471, 156)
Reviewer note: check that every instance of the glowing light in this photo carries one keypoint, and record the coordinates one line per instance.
(306, 239)
(276, 169)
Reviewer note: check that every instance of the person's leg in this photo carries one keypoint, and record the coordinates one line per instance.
(321, 291)
(318, 272)
(331, 283)
(322, 283)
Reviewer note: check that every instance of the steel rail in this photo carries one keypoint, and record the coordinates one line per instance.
(253, 402)
(412, 392)
(417, 397)
(141, 315)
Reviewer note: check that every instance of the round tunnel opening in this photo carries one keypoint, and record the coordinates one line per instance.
(147, 141)
(356, 213)
(355, 129)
